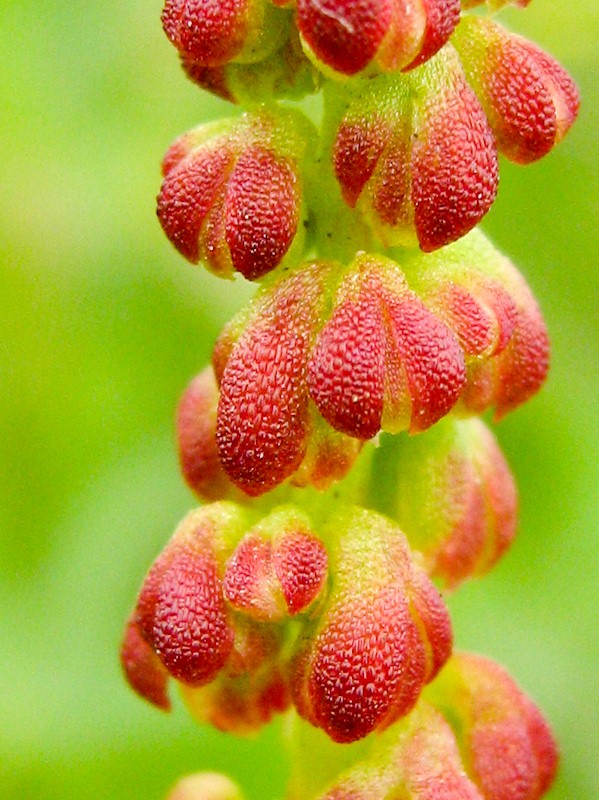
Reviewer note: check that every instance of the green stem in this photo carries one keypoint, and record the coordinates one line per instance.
(336, 231)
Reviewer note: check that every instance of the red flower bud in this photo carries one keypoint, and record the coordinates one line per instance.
(530, 100)
(348, 36)
(507, 747)
(215, 33)
(418, 761)
(460, 510)
(181, 612)
(481, 296)
(232, 194)
(416, 155)
(196, 429)
(212, 612)
(262, 425)
(143, 669)
(383, 633)
(328, 457)
(383, 360)
(278, 569)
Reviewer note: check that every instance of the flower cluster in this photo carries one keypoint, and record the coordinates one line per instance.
(214, 613)
(451, 747)
(308, 579)
(354, 345)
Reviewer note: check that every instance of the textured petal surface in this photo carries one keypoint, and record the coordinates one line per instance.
(370, 652)
(232, 192)
(416, 155)
(181, 609)
(461, 509)
(507, 747)
(383, 360)
(196, 439)
(262, 204)
(530, 100)
(262, 413)
(143, 669)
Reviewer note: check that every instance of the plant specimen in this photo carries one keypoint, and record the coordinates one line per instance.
(335, 439)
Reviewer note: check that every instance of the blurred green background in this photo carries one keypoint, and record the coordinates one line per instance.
(103, 325)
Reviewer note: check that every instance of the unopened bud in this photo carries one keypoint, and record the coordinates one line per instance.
(348, 37)
(416, 155)
(507, 747)
(383, 633)
(230, 30)
(232, 192)
(456, 500)
(530, 100)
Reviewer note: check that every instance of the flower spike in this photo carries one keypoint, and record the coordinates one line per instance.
(379, 310)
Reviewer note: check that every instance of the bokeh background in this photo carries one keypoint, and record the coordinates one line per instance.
(102, 326)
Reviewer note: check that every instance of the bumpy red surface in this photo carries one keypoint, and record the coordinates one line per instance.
(188, 193)
(507, 747)
(420, 762)
(196, 439)
(530, 100)
(428, 173)
(433, 360)
(442, 16)
(262, 412)
(368, 660)
(346, 374)
(382, 353)
(272, 579)
(261, 211)
(300, 564)
(211, 31)
(344, 34)
(182, 611)
(371, 651)
(487, 524)
(248, 583)
(358, 147)
(143, 669)
(454, 167)
(523, 366)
